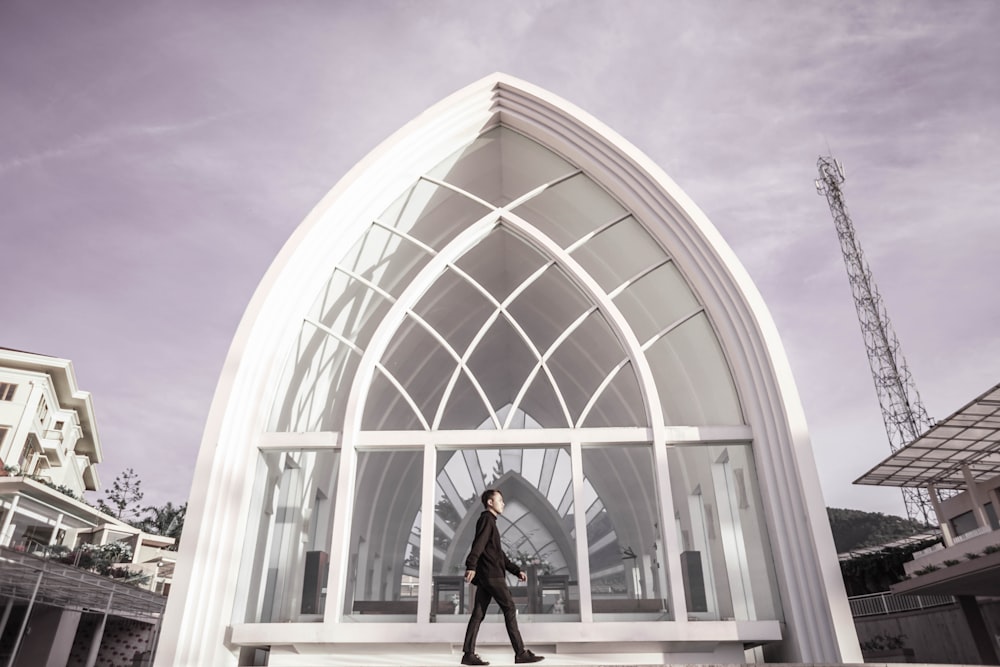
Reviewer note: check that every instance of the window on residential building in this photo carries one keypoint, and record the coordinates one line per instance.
(964, 523)
(3, 433)
(7, 390)
(43, 411)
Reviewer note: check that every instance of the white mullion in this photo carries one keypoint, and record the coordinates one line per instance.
(333, 334)
(589, 235)
(412, 239)
(405, 394)
(543, 358)
(454, 188)
(520, 395)
(663, 332)
(525, 284)
(676, 598)
(618, 290)
(358, 394)
(531, 194)
(439, 415)
(580, 523)
(501, 309)
(461, 367)
(600, 390)
(315, 440)
(367, 283)
(425, 589)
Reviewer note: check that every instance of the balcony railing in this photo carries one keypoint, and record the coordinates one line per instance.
(887, 603)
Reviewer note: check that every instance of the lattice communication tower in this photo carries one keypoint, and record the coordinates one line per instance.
(902, 411)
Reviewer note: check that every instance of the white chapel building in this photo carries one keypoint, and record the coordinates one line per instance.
(506, 294)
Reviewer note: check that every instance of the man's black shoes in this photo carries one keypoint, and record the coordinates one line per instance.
(527, 656)
(473, 659)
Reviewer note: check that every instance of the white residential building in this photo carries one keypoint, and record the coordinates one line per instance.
(49, 450)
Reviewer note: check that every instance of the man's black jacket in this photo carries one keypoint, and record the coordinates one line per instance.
(487, 557)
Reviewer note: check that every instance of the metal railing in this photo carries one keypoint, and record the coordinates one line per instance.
(887, 603)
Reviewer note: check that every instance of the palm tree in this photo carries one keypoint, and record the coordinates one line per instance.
(166, 520)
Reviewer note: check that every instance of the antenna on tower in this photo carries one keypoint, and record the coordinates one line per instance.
(902, 411)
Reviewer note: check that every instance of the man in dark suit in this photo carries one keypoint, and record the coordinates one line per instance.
(486, 567)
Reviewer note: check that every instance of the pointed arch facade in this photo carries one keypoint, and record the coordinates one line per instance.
(506, 294)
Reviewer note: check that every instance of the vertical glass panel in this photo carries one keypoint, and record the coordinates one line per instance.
(570, 210)
(432, 214)
(618, 253)
(536, 529)
(500, 166)
(386, 409)
(725, 551)
(421, 364)
(320, 368)
(655, 301)
(584, 360)
(384, 565)
(465, 408)
(628, 575)
(501, 262)
(455, 309)
(540, 406)
(620, 403)
(283, 576)
(692, 376)
(502, 362)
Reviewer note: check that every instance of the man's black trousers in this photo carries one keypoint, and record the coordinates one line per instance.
(487, 590)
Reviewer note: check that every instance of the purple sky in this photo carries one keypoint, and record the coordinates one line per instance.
(156, 155)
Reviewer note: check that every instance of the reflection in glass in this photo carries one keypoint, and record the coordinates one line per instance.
(693, 377)
(536, 528)
(725, 553)
(384, 564)
(628, 577)
(285, 566)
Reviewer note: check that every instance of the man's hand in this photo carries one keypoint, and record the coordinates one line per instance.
(470, 575)
(522, 576)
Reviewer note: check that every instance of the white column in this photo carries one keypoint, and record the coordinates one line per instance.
(5, 530)
(977, 504)
(946, 535)
(426, 588)
(56, 528)
(95, 643)
(731, 533)
(580, 524)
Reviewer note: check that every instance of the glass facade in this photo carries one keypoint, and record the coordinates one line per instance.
(507, 293)
(283, 577)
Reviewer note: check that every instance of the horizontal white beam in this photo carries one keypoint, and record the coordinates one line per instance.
(675, 435)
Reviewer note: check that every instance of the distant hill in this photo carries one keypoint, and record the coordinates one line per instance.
(855, 529)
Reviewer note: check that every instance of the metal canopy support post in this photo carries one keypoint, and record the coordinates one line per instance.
(6, 615)
(24, 621)
(95, 643)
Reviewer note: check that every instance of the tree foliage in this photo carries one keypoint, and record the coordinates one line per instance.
(123, 499)
(855, 529)
(166, 520)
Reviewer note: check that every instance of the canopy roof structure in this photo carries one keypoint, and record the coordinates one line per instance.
(68, 587)
(963, 446)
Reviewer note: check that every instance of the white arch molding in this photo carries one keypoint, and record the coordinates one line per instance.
(198, 628)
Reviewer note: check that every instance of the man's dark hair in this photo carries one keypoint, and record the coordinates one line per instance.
(489, 493)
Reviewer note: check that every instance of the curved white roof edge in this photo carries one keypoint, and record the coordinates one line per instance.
(817, 616)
